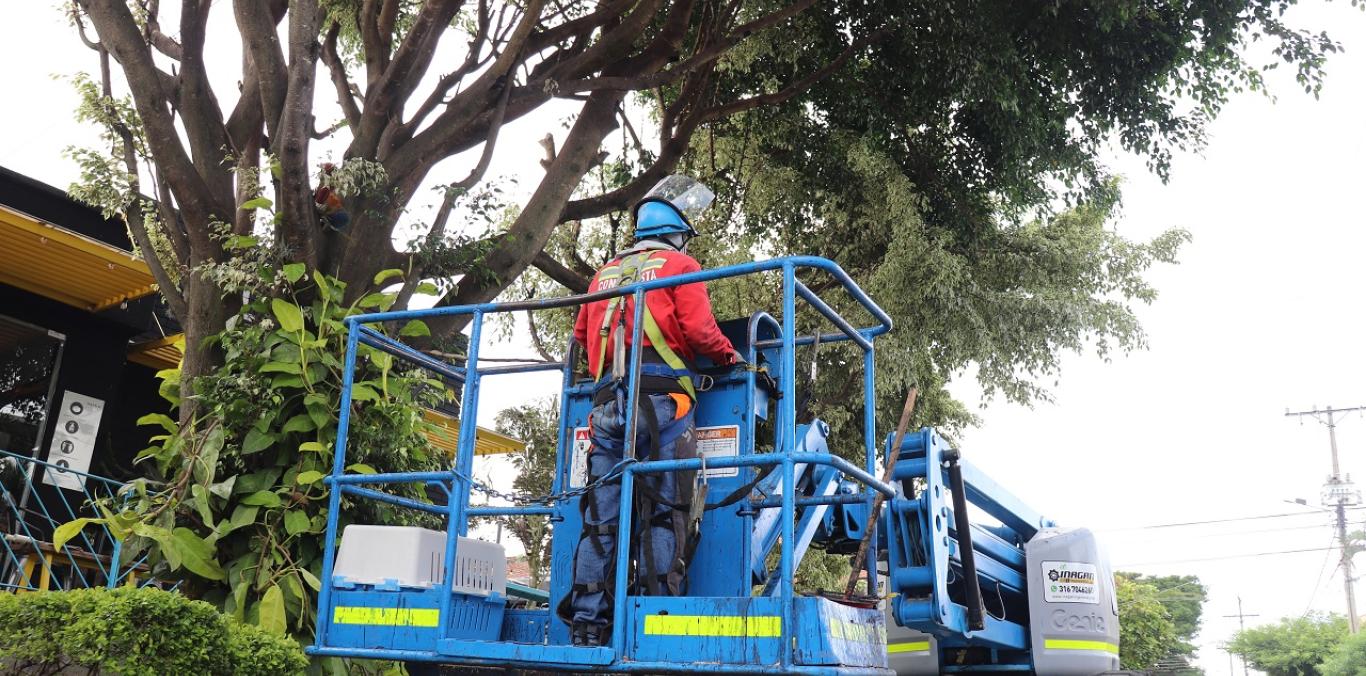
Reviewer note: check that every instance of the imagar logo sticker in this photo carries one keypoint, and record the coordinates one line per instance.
(1070, 582)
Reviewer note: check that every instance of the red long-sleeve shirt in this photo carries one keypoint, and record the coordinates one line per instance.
(683, 314)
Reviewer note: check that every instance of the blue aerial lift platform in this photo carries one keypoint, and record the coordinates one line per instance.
(1009, 594)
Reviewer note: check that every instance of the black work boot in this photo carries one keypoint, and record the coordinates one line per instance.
(591, 635)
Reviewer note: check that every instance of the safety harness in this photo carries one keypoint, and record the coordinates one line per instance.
(683, 514)
(627, 271)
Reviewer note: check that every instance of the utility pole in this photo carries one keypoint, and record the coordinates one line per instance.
(1241, 627)
(1339, 493)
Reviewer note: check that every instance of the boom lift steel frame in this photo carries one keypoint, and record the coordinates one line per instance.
(777, 631)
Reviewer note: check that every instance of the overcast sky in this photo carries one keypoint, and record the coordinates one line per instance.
(1263, 314)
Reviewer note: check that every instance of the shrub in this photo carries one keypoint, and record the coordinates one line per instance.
(1349, 659)
(134, 632)
(253, 650)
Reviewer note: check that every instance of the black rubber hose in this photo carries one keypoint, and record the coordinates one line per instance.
(972, 589)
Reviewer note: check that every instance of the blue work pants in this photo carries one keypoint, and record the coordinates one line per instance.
(596, 554)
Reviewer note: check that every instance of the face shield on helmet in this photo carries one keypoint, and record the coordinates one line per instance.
(684, 196)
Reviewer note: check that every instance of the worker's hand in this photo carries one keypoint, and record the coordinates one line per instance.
(735, 358)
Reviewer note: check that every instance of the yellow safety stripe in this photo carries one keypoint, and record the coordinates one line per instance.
(763, 626)
(909, 647)
(1071, 644)
(388, 617)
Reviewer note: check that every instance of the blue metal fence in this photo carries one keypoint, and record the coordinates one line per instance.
(32, 508)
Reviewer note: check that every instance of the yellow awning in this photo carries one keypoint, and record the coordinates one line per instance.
(56, 263)
(160, 354)
(486, 442)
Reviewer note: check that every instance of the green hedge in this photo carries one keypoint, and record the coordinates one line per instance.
(132, 632)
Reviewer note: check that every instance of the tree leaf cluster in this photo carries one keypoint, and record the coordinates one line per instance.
(536, 424)
(234, 502)
(1293, 646)
(806, 113)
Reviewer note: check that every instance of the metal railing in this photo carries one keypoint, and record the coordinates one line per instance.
(31, 508)
(786, 454)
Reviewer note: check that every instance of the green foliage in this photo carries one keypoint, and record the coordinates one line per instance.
(1349, 659)
(1292, 647)
(1183, 596)
(537, 424)
(237, 506)
(1146, 632)
(135, 632)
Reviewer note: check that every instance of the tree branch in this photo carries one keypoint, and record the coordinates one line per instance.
(559, 272)
(472, 61)
(581, 26)
(339, 79)
(119, 32)
(154, 36)
(384, 97)
(669, 154)
(372, 44)
(528, 234)
(724, 111)
(476, 174)
(536, 337)
(447, 134)
(262, 42)
(202, 118)
(290, 139)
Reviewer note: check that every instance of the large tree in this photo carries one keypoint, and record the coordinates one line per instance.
(1293, 646)
(1184, 597)
(970, 111)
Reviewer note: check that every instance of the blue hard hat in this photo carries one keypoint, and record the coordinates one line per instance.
(657, 217)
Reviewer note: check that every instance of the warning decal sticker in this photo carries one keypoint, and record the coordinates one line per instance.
(1070, 582)
(578, 461)
(719, 442)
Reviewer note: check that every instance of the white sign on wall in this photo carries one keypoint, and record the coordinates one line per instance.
(73, 442)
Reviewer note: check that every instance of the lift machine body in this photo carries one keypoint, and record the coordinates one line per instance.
(1005, 591)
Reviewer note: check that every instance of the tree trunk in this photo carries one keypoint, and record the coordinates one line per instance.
(208, 314)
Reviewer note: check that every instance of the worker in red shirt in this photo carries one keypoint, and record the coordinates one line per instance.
(678, 326)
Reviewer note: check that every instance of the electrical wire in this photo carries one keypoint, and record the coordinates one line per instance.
(1202, 523)
(1326, 524)
(1223, 558)
(1318, 584)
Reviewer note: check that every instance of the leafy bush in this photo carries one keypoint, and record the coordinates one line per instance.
(133, 632)
(253, 650)
(236, 498)
(1293, 646)
(1349, 659)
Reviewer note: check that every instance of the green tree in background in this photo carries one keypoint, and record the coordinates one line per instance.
(1349, 659)
(1292, 647)
(1146, 630)
(537, 424)
(1184, 598)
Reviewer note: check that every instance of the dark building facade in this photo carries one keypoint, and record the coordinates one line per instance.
(77, 311)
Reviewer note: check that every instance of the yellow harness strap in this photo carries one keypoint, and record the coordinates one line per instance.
(627, 271)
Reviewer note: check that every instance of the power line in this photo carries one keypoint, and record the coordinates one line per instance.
(1323, 567)
(1202, 523)
(1305, 527)
(1231, 556)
